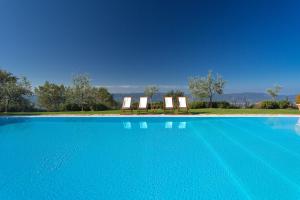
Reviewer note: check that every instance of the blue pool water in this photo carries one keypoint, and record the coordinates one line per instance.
(149, 158)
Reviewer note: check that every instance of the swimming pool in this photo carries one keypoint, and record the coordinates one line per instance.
(149, 158)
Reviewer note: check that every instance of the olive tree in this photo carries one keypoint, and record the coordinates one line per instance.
(206, 87)
(150, 91)
(13, 91)
(273, 92)
(51, 96)
(81, 90)
(100, 99)
(83, 95)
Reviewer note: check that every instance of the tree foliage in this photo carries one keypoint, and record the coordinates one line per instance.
(81, 91)
(175, 93)
(150, 91)
(206, 87)
(79, 96)
(51, 96)
(273, 92)
(14, 92)
(100, 98)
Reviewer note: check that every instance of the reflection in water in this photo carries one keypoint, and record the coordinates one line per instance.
(143, 125)
(279, 123)
(297, 127)
(169, 125)
(298, 122)
(12, 120)
(127, 125)
(182, 125)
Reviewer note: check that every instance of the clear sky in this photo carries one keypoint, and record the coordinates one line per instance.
(126, 45)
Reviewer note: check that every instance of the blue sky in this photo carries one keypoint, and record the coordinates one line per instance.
(126, 45)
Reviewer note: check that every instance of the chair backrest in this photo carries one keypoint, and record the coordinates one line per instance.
(182, 102)
(143, 102)
(126, 102)
(169, 102)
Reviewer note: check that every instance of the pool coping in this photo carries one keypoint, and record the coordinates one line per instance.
(156, 116)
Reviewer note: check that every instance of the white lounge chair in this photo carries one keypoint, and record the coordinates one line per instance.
(126, 104)
(182, 104)
(168, 103)
(143, 105)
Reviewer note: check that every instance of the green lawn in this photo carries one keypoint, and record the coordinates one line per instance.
(192, 111)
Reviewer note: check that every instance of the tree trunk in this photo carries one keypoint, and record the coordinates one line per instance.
(6, 105)
(210, 101)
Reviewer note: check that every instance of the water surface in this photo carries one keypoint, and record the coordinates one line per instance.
(149, 158)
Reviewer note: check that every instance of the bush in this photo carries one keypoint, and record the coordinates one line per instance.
(268, 105)
(298, 99)
(100, 106)
(221, 104)
(284, 104)
(217, 104)
(72, 107)
(198, 104)
(157, 105)
(135, 105)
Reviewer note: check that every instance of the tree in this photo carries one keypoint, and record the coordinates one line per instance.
(104, 97)
(150, 91)
(13, 91)
(51, 96)
(273, 92)
(81, 91)
(206, 87)
(100, 99)
(81, 95)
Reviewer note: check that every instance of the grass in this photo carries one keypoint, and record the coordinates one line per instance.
(208, 111)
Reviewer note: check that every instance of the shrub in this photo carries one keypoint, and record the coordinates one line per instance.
(198, 104)
(72, 107)
(135, 105)
(284, 104)
(221, 104)
(216, 104)
(268, 105)
(157, 105)
(100, 106)
(298, 99)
